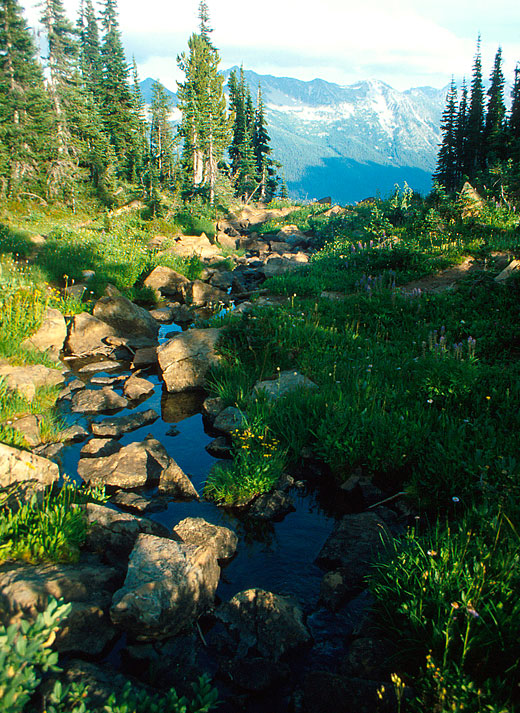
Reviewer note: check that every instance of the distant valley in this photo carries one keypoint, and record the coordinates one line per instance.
(348, 142)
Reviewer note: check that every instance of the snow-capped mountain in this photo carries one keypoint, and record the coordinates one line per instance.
(349, 141)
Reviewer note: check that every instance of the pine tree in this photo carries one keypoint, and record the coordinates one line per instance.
(514, 119)
(461, 130)
(25, 112)
(494, 129)
(241, 151)
(140, 164)
(261, 144)
(446, 171)
(161, 136)
(475, 125)
(120, 121)
(204, 27)
(90, 49)
(204, 126)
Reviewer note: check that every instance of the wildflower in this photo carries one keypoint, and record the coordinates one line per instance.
(432, 553)
(472, 612)
(430, 401)
(455, 499)
(488, 397)
(455, 605)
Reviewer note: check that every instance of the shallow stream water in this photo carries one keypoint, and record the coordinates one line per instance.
(278, 557)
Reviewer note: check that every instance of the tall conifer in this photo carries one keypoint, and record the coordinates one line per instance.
(461, 134)
(494, 129)
(446, 171)
(475, 124)
(261, 144)
(514, 119)
(161, 135)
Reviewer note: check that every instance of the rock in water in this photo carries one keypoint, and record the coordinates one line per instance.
(115, 427)
(196, 531)
(89, 401)
(168, 585)
(125, 317)
(187, 357)
(88, 335)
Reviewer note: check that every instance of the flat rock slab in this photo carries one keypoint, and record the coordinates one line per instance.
(175, 483)
(99, 447)
(137, 388)
(90, 401)
(268, 622)
(117, 426)
(168, 585)
(163, 280)
(18, 466)
(97, 366)
(272, 506)
(74, 434)
(134, 502)
(200, 294)
(132, 466)
(229, 420)
(287, 381)
(196, 531)
(186, 358)
(26, 380)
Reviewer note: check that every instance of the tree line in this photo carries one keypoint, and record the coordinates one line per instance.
(74, 122)
(481, 139)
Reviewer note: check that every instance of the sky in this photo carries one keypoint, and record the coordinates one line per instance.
(404, 43)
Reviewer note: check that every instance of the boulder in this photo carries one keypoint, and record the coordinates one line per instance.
(175, 483)
(18, 466)
(132, 466)
(116, 427)
(181, 314)
(89, 401)
(272, 506)
(196, 531)
(279, 266)
(143, 357)
(219, 448)
(96, 366)
(287, 381)
(511, 269)
(163, 315)
(165, 281)
(229, 420)
(113, 534)
(74, 434)
(212, 406)
(28, 427)
(134, 502)
(125, 317)
(26, 380)
(88, 585)
(228, 242)
(99, 447)
(200, 294)
(88, 335)
(224, 280)
(188, 245)
(136, 388)
(187, 357)
(51, 336)
(267, 622)
(168, 585)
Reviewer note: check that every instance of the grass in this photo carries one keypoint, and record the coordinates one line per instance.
(448, 597)
(13, 406)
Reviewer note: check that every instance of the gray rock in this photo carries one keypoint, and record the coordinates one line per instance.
(175, 483)
(229, 420)
(27, 379)
(89, 401)
(512, 268)
(25, 589)
(268, 622)
(99, 447)
(168, 585)
(74, 434)
(187, 357)
(18, 466)
(355, 541)
(200, 294)
(125, 317)
(51, 336)
(97, 366)
(137, 503)
(196, 531)
(165, 281)
(116, 427)
(285, 382)
(280, 265)
(113, 534)
(88, 335)
(181, 314)
(163, 315)
(272, 506)
(212, 406)
(145, 356)
(132, 466)
(219, 448)
(136, 388)
(29, 427)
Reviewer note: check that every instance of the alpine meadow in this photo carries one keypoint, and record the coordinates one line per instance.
(258, 453)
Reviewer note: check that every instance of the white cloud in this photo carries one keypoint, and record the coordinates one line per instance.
(402, 42)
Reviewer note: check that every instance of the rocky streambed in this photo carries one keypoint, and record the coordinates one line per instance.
(268, 600)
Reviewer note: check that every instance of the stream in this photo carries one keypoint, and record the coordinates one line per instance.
(277, 557)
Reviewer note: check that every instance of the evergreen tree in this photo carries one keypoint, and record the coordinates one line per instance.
(461, 130)
(241, 151)
(204, 27)
(494, 129)
(63, 85)
(120, 121)
(161, 136)
(446, 171)
(265, 166)
(25, 113)
(514, 119)
(90, 49)
(204, 126)
(140, 164)
(475, 124)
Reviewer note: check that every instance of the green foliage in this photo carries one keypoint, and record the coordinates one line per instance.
(50, 530)
(448, 598)
(25, 655)
(205, 698)
(258, 462)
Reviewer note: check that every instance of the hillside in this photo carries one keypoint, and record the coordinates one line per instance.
(348, 142)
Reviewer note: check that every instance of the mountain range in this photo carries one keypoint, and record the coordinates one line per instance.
(349, 142)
